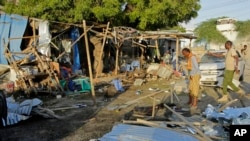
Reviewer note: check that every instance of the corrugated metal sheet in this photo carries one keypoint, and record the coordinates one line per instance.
(124, 132)
(11, 26)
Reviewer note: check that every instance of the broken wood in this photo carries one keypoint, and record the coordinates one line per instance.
(205, 137)
(165, 122)
(127, 104)
(226, 105)
(143, 97)
(153, 110)
(68, 108)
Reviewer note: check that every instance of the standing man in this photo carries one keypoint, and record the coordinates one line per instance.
(194, 77)
(231, 66)
(166, 58)
(244, 50)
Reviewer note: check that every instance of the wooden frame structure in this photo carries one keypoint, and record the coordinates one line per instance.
(169, 34)
(36, 74)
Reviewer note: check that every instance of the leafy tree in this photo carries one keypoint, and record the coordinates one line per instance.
(243, 28)
(142, 14)
(207, 31)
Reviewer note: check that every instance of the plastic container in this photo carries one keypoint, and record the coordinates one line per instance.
(84, 83)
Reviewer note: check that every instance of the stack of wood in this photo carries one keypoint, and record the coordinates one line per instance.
(35, 72)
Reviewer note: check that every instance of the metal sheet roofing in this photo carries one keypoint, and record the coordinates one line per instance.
(125, 132)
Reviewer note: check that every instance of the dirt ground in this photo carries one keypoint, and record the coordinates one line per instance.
(90, 122)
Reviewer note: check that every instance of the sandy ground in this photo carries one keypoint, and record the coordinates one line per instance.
(83, 124)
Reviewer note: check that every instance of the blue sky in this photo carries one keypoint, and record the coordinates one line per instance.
(238, 9)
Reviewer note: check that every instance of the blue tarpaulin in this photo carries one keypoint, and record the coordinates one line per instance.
(74, 36)
(5, 22)
(11, 26)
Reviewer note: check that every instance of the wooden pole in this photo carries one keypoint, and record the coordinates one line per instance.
(157, 48)
(116, 60)
(103, 43)
(205, 137)
(177, 54)
(89, 62)
(153, 110)
(34, 32)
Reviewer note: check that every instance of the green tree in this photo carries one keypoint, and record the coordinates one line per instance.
(243, 28)
(207, 31)
(142, 14)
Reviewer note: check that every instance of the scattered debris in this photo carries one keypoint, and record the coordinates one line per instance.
(17, 112)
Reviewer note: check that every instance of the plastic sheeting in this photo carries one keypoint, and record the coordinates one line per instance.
(237, 115)
(118, 85)
(11, 26)
(5, 22)
(124, 132)
(19, 111)
(44, 38)
(76, 56)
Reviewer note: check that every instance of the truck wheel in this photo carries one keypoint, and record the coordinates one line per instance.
(3, 108)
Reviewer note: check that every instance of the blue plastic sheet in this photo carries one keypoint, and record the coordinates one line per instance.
(11, 26)
(74, 36)
(118, 85)
(5, 22)
(238, 115)
(19, 111)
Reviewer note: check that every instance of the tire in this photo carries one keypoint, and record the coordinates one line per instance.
(3, 108)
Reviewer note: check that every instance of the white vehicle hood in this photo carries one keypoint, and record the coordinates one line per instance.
(212, 66)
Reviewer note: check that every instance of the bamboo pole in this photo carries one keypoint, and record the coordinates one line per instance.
(177, 54)
(153, 110)
(103, 43)
(25, 37)
(34, 32)
(133, 42)
(89, 62)
(116, 60)
(157, 48)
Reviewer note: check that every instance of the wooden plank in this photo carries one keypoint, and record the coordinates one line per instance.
(127, 104)
(205, 137)
(165, 122)
(143, 97)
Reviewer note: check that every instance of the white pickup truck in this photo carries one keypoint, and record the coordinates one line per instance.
(212, 70)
